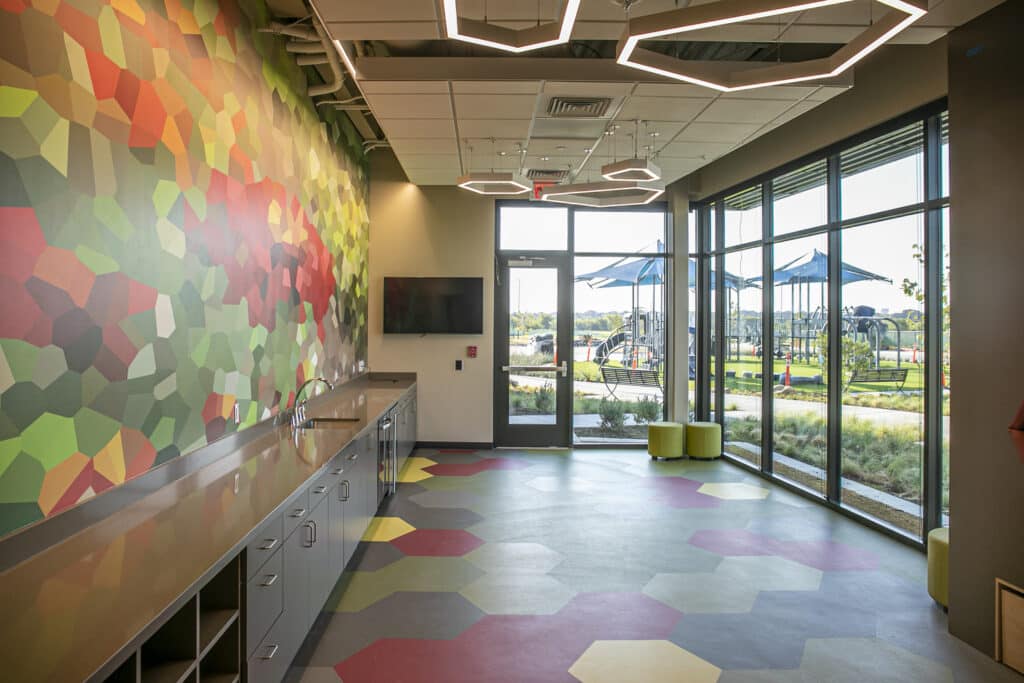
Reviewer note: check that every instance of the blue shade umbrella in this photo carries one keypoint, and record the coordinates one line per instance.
(813, 267)
(650, 270)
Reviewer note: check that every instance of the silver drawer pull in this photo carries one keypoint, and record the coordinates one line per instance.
(353, 457)
(269, 580)
(271, 651)
(337, 471)
(320, 489)
(298, 512)
(269, 544)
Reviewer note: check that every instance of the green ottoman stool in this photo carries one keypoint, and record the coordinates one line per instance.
(938, 566)
(704, 440)
(665, 440)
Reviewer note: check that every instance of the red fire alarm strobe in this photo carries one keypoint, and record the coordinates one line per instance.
(538, 187)
(471, 351)
(1017, 432)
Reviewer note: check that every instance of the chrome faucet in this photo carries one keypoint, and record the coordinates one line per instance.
(299, 408)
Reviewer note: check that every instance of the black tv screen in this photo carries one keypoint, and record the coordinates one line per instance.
(433, 305)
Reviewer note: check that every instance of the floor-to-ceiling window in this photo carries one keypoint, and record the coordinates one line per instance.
(828, 323)
(615, 349)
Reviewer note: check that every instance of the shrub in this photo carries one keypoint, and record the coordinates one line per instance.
(648, 410)
(545, 399)
(613, 416)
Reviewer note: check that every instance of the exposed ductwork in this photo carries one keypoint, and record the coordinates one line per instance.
(312, 47)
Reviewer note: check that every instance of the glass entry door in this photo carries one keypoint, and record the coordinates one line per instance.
(533, 344)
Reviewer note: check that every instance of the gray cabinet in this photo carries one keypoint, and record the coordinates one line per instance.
(318, 562)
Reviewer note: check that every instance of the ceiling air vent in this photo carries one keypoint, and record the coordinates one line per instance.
(556, 175)
(578, 107)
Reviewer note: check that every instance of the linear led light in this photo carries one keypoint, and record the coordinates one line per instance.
(493, 183)
(603, 194)
(510, 40)
(903, 14)
(345, 58)
(631, 169)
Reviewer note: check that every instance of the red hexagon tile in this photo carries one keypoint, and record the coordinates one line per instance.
(471, 468)
(437, 542)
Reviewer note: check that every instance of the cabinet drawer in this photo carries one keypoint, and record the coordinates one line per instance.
(322, 486)
(264, 598)
(268, 661)
(296, 512)
(265, 543)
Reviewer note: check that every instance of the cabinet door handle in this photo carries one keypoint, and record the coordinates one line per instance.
(269, 544)
(343, 490)
(298, 512)
(269, 580)
(316, 530)
(320, 489)
(353, 457)
(270, 652)
(309, 527)
(338, 470)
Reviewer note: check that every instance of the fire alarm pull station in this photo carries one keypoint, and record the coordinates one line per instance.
(471, 351)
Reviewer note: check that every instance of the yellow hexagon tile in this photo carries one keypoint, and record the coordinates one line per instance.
(614, 661)
(384, 529)
(413, 470)
(734, 491)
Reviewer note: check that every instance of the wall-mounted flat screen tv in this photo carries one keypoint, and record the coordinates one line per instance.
(433, 305)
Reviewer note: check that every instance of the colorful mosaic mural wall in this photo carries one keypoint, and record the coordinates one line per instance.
(179, 234)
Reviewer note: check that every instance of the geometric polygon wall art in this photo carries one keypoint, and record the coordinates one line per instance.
(732, 77)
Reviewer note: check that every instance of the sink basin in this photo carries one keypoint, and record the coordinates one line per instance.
(329, 423)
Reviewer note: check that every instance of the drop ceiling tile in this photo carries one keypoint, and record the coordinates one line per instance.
(776, 92)
(495, 106)
(796, 110)
(826, 93)
(568, 128)
(424, 145)
(694, 150)
(389, 106)
(496, 128)
(418, 128)
(716, 132)
(429, 161)
(588, 89)
(663, 108)
(404, 87)
(559, 146)
(406, 10)
(672, 90)
(666, 130)
(743, 111)
(496, 87)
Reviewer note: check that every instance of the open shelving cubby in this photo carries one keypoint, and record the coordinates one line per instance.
(169, 656)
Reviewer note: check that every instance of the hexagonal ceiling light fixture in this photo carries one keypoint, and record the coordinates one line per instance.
(508, 39)
(603, 194)
(494, 183)
(631, 169)
(723, 12)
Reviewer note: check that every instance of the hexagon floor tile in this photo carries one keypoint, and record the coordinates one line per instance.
(614, 661)
(599, 565)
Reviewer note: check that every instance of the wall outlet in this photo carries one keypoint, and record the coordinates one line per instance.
(458, 365)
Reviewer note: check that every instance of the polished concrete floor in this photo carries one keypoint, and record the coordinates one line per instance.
(602, 565)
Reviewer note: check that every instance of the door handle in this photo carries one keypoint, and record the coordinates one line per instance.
(338, 470)
(562, 368)
(269, 544)
(270, 652)
(298, 513)
(320, 489)
(353, 457)
(343, 491)
(269, 580)
(312, 534)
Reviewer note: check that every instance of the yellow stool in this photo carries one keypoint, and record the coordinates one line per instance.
(703, 440)
(938, 566)
(665, 440)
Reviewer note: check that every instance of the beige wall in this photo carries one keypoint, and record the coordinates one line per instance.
(986, 108)
(433, 231)
(894, 80)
